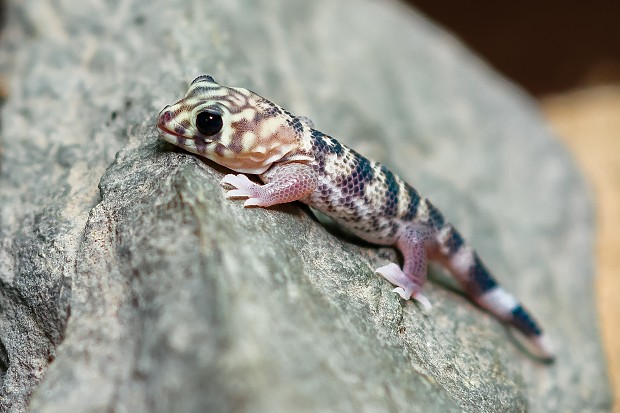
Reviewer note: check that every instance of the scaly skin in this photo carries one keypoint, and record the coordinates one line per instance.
(247, 133)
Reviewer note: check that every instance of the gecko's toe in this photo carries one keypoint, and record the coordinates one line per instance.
(392, 273)
(237, 193)
(404, 294)
(238, 181)
(253, 202)
(423, 302)
(229, 179)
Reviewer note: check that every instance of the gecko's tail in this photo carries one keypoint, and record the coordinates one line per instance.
(465, 265)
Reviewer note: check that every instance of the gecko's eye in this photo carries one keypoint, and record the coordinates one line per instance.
(209, 123)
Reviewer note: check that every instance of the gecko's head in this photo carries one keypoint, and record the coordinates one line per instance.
(232, 126)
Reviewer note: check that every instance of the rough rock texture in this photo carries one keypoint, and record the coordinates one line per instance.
(127, 282)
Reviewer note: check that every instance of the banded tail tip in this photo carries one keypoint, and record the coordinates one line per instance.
(543, 349)
(538, 347)
(506, 307)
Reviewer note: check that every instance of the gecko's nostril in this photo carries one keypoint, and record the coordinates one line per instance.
(165, 116)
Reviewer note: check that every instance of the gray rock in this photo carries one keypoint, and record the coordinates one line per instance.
(128, 283)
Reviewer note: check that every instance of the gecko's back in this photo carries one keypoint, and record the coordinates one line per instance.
(362, 195)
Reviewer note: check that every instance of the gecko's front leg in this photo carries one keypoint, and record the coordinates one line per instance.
(283, 183)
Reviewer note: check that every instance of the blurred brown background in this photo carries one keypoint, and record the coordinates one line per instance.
(566, 54)
(547, 47)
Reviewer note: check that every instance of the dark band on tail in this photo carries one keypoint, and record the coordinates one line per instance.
(477, 281)
(454, 241)
(524, 322)
(481, 280)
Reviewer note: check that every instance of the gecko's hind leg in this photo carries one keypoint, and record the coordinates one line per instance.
(411, 279)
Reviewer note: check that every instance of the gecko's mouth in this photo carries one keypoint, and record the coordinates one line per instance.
(164, 130)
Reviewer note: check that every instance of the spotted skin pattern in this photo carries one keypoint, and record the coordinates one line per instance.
(297, 162)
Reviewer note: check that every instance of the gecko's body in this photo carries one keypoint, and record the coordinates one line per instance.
(249, 134)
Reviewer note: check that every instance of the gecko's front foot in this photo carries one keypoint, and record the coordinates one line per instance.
(406, 288)
(244, 188)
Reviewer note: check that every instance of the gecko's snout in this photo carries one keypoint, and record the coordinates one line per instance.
(165, 116)
(167, 126)
(164, 110)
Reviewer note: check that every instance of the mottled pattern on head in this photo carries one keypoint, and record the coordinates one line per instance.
(254, 132)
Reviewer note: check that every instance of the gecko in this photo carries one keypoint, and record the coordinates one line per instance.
(250, 135)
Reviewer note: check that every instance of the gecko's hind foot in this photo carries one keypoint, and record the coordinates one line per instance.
(406, 288)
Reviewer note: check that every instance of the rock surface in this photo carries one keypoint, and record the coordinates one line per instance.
(127, 282)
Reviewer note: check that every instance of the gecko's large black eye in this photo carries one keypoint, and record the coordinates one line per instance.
(209, 123)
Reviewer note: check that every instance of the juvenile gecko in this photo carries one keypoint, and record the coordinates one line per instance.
(247, 133)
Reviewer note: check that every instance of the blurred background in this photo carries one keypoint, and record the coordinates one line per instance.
(567, 55)
(547, 47)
